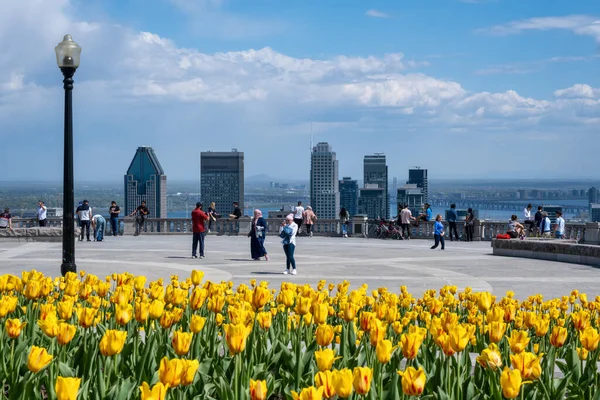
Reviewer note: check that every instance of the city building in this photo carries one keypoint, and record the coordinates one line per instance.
(593, 195)
(595, 212)
(412, 196)
(418, 176)
(349, 195)
(324, 183)
(375, 172)
(551, 210)
(222, 179)
(372, 202)
(146, 181)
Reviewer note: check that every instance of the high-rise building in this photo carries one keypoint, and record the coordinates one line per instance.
(324, 183)
(376, 173)
(595, 212)
(372, 202)
(412, 196)
(418, 176)
(349, 195)
(593, 195)
(146, 181)
(222, 179)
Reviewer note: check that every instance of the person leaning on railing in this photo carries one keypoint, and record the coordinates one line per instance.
(6, 220)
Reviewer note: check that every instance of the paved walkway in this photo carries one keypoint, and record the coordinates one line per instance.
(375, 262)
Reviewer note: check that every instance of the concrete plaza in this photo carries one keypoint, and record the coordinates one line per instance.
(375, 262)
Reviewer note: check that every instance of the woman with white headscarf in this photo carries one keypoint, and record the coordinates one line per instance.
(288, 231)
(257, 235)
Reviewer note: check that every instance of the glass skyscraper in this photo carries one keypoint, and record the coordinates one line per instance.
(376, 173)
(349, 195)
(222, 179)
(146, 181)
(418, 176)
(324, 183)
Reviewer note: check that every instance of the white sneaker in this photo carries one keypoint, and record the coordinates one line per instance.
(285, 272)
(293, 272)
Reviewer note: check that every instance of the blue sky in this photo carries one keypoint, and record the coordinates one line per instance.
(467, 89)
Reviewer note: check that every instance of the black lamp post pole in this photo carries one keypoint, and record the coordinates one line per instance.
(68, 243)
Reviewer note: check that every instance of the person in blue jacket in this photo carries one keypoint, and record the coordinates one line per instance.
(438, 233)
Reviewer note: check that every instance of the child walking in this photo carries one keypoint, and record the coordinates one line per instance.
(438, 234)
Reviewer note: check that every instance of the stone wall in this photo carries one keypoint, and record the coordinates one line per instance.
(548, 249)
(32, 234)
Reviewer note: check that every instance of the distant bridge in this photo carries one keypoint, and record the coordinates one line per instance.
(501, 206)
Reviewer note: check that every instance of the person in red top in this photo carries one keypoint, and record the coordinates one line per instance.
(199, 218)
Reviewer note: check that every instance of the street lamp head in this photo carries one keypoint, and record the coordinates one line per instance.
(68, 53)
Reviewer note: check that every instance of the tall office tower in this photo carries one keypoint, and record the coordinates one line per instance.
(418, 176)
(595, 212)
(593, 195)
(412, 196)
(376, 173)
(349, 195)
(146, 181)
(372, 202)
(222, 179)
(324, 184)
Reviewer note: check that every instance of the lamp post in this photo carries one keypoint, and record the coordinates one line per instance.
(67, 57)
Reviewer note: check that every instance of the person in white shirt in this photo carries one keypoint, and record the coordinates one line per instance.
(527, 218)
(287, 232)
(559, 232)
(545, 225)
(85, 216)
(42, 214)
(299, 215)
(98, 225)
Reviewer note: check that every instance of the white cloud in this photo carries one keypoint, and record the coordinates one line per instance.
(578, 91)
(377, 14)
(579, 24)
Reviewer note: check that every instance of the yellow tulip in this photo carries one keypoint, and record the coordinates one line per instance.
(158, 392)
(181, 342)
(258, 390)
(142, 311)
(496, 331)
(361, 379)
(265, 319)
(384, 351)
(581, 320)
(528, 364)
(490, 357)
(67, 388)
(459, 337)
(325, 359)
(320, 313)
(198, 298)
(484, 301)
(365, 320)
(590, 339)
(303, 305)
(38, 359)
(197, 277)
(123, 313)
(66, 332)
(235, 336)
(33, 290)
(197, 323)
(14, 327)
(558, 337)
(87, 317)
(349, 311)
(518, 341)
(582, 353)
(112, 342)
(511, 382)
(188, 373)
(65, 309)
(286, 297)
(377, 332)
(324, 335)
(260, 297)
(170, 371)
(541, 327)
(410, 344)
(157, 308)
(49, 325)
(216, 303)
(309, 393)
(342, 382)
(413, 381)
(324, 380)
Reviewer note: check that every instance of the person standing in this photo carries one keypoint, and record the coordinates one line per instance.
(212, 215)
(470, 224)
(6, 219)
(98, 224)
(299, 215)
(199, 218)
(438, 233)
(538, 218)
(452, 218)
(545, 225)
(257, 235)
(405, 219)
(528, 218)
(114, 211)
(288, 231)
(41, 214)
(309, 219)
(85, 216)
(237, 212)
(344, 221)
(142, 212)
(559, 231)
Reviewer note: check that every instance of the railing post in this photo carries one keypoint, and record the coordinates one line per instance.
(359, 225)
(477, 231)
(592, 233)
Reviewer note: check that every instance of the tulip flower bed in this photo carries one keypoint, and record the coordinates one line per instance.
(81, 337)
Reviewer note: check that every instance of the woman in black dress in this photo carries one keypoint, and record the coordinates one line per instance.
(257, 235)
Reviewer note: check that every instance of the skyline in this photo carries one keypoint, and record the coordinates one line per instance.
(462, 89)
